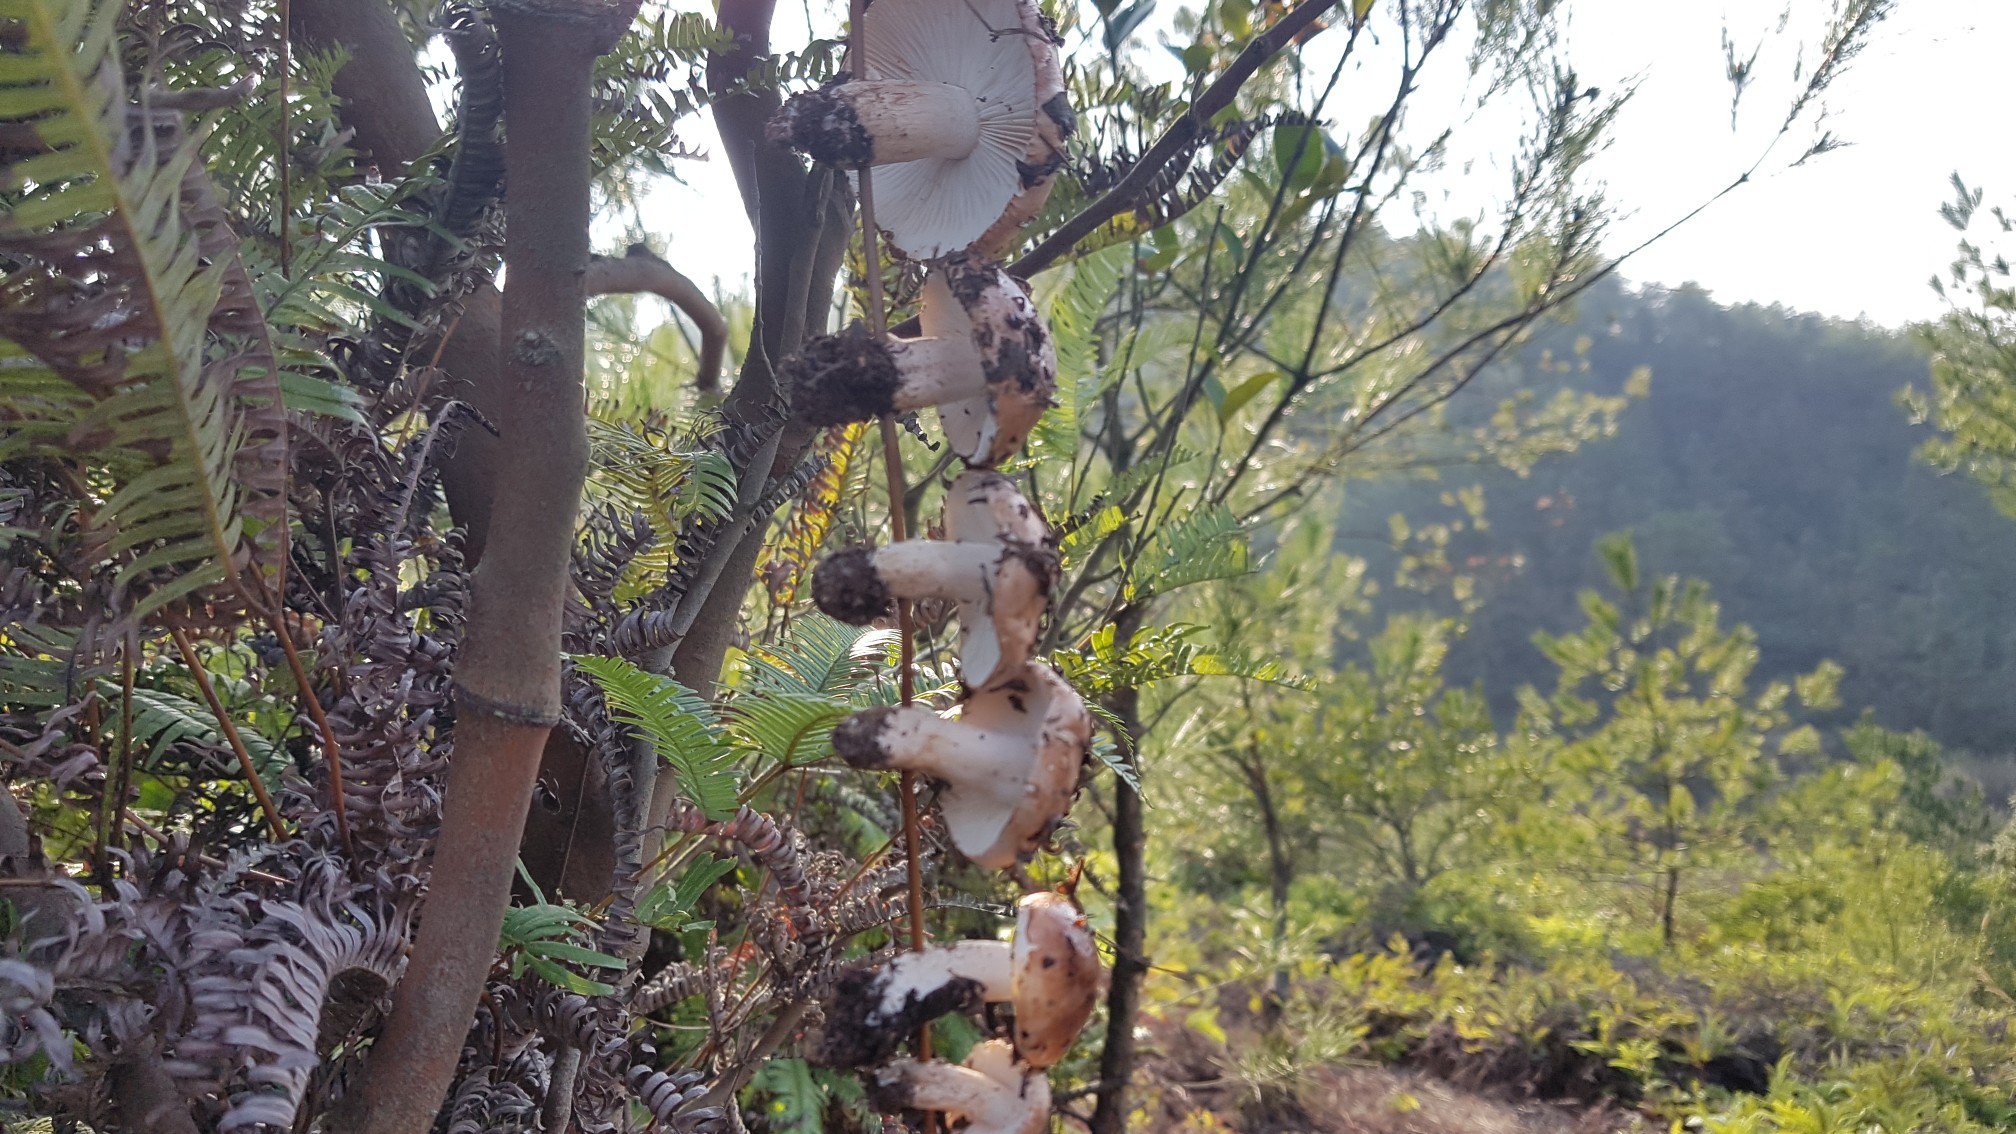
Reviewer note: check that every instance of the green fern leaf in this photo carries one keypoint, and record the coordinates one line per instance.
(790, 728)
(819, 656)
(1201, 546)
(678, 723)
(125, 285)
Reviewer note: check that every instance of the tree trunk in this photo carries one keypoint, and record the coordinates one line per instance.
(1672, 899)
(1279, 873)
(507, 690)
(1130, 911)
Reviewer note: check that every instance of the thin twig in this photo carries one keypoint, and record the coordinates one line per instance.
(1174, 140)
(330, 755)
(230, 728)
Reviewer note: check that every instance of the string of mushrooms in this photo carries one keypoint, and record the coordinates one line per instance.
(961, 112)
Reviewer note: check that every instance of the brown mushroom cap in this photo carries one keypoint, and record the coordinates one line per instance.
(993, 1093)
(1010, 761)
(970, 296)
(1057, 977)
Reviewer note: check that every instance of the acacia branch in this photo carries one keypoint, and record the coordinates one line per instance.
(1175, 141)
(638, 270)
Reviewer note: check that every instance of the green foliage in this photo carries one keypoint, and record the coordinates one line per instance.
(668, 906)
(1973, 395)
(636, 469)
(1662, 744)
(544, 938)
(679, 725)
(169, 381)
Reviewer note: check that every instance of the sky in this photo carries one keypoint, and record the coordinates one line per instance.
(1854, 233)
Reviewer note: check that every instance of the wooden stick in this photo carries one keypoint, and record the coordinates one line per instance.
(892, 460)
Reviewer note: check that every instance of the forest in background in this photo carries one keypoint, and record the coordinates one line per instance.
(1768, 455)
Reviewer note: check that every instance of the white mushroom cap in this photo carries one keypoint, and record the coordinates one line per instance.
(966, 296)
(1010, 761)
(991, 1092)
(985, 359)
(937, 205)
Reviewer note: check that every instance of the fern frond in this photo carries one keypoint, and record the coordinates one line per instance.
(125, 285)
(1161, 654)
(635, 467)
(789, 728)
(679, 724)
(816, 658)
(787, 561)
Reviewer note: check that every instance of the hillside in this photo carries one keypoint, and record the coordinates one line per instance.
(1771, 460)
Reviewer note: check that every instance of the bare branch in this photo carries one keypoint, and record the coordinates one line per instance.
(638, 270)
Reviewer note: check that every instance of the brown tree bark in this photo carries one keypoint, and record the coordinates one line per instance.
(1130, 908)
(508, 676)
(385, 102)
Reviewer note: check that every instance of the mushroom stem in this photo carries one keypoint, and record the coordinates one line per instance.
(939, 569)
(881, 122)
(857, 376)
(986, 963)
(993, 1093)
(913, 738)
(936, 371)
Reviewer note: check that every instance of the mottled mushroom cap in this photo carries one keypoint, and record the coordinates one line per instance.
(1040, 705)
(1057, 977)
(982, 505)
(966, 295)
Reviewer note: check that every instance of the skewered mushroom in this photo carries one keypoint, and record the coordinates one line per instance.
(963, 109)
(1009, 762)
(991, 1091)
(985, 359)
(1050, 972)
(995, 565)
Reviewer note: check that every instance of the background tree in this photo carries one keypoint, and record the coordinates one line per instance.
(1662, 745)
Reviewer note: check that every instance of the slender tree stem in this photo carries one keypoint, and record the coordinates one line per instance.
(507, 679)
(892, 460)
(230, 728)
(331, 756)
